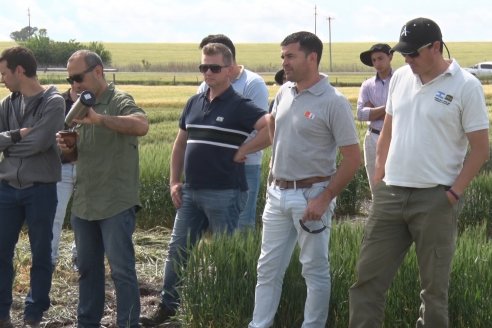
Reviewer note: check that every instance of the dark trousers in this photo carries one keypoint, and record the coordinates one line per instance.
(36, 207)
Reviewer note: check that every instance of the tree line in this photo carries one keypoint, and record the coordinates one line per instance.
(50, 53)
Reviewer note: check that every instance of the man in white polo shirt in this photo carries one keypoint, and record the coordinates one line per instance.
(435, 110)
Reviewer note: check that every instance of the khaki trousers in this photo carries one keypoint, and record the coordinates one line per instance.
(370, 143)
(402, 216)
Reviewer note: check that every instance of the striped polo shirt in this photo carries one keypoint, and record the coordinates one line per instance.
(216, 130)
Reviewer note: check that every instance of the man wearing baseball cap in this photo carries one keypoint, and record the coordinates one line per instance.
(371, 104)
(434, 113)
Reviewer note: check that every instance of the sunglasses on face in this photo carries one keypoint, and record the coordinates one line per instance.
(80, 77)
(305, 228)
(214, 68)
(416, 53)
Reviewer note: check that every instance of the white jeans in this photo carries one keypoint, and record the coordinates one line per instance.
(370, 143)
(64, 190)
(281, 231)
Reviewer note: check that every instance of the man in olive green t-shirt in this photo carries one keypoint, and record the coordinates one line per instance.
(106, 193)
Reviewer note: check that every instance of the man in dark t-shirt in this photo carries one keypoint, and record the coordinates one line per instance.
(209, 149)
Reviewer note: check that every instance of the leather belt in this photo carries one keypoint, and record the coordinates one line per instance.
(375, 131)
(299, 184)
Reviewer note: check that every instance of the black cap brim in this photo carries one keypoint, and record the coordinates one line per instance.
(405, 48)
(366, 56)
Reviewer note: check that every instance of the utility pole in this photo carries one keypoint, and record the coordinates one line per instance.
(329, 18)
(29, 22)
(315, 17)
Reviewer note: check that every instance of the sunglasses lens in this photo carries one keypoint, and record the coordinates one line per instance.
(75, 78)
(214, 68)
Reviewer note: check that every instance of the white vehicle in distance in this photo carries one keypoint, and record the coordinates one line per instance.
(481, 70)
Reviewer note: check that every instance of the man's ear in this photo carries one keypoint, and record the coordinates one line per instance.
(313, 56)
(19, 70)
(229, 71)
(99, 70)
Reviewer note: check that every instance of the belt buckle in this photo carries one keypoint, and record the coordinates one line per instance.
(281, 184)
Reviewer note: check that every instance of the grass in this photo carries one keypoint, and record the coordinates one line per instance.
(221, 267)
(150, 251)
(221, 275)
(471, 288)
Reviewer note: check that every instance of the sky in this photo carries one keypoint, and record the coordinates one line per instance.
(244, 21)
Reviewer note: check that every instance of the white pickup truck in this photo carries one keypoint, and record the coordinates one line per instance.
(481, 70)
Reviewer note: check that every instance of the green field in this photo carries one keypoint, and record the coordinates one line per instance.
(170, 98)
(265, 57)
(219, 269)
(176, 63)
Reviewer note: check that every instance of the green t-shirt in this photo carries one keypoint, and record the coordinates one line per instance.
(107, 166)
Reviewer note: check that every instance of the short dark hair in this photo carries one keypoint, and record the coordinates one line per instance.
(219, 38)
(20, 56)
(308, 43)
(212, 49)
(91, 58)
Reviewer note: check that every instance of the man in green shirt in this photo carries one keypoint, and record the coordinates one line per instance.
(106, 194)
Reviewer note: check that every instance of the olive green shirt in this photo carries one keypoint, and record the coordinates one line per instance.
(107, 165)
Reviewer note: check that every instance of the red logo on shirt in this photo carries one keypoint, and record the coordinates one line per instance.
(309, 115)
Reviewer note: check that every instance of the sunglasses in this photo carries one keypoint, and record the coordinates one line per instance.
(305, 228)
(416, 53)
(214, 68)
(80, 77)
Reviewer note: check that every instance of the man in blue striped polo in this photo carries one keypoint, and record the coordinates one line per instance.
(210, 149)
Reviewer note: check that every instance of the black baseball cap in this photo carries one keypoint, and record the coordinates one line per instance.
(417, 33)
(365, 57)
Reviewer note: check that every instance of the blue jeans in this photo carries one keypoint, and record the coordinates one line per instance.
(111, 236)
(64, 190)
(247, 218)
(281, 231)
(217, 209)
(36, 207)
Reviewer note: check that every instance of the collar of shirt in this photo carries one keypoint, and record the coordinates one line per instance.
(378, 78)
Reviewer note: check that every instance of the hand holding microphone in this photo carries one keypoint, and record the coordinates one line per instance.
(80, 108)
